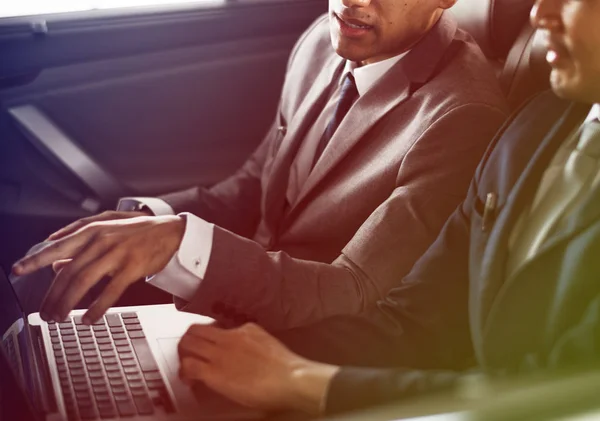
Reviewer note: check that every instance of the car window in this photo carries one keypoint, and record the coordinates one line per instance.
(40, 7)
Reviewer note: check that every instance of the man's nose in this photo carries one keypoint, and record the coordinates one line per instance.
(356, 3)
(546, 14)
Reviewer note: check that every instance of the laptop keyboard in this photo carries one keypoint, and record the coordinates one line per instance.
(107, 370)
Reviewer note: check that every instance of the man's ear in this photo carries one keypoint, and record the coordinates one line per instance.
(447, 4)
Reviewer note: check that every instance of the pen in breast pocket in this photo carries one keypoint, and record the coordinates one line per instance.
(489, 211)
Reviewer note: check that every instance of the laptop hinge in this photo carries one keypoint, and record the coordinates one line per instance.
(45, 397)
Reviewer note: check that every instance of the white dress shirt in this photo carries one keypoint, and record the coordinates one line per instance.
(541, 219)
(186, 269)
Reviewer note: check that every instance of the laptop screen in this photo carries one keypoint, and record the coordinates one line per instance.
(16, 381)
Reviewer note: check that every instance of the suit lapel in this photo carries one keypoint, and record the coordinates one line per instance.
(494, 259)
(582, 216)
(387, 93)
(306, 114)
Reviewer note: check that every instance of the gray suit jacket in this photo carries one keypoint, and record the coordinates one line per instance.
(402, 161)
(458, 299)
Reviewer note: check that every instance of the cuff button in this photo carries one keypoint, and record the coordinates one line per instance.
(197, 262)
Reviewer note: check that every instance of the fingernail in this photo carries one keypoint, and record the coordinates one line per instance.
(17, 268)
(56, 318)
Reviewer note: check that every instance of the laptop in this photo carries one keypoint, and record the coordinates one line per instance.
(125, 366)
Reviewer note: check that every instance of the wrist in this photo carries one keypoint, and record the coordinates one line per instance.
(310, 382)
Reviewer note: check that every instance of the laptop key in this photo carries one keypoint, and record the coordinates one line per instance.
(134, 327)
(97, 381)
(133, 377)
(131, 321)
(128, 363)
(144, 355)
(126, 356)
(84, 334)
(87, 347)
(82, 328)
(57, 347)
(78, 320)
(155, 384)
(122, 342)
(112, 367)
(101, 334)
(154, 375)
(126, 408)
(133, 334)
(64, 332)
(129, 315)
(119, 329)
(107, 410)
(78, 371)
(139, 392)
(55, 340)
(134, 370)
(113, 319)
(102, 341)
(74, 358)
(110, 360)
(75, 365)
(92, 360)
(105, 347)
(69, 338)
(144, 405)
(99, 328)
(119, 389)
(70, 345)
(122, 349)
(87, 412)
(118, 382)
(66, 325)
(118, 336)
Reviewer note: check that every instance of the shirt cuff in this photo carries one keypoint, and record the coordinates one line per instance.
(185, 271)
(157, 206)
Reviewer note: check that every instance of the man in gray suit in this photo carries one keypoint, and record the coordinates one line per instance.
(386, 109)
(512, 284)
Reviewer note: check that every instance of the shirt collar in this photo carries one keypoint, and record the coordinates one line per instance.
(594, 113)
(366, 76)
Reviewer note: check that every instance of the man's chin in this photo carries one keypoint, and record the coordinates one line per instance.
(572, 91)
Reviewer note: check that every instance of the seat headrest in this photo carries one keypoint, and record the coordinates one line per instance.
(495, 24)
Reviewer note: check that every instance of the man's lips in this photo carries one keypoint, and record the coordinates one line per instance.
(353, 23)
(555, 51)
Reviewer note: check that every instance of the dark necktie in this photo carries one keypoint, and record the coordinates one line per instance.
(348, 95)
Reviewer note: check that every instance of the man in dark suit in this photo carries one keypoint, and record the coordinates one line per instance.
(514, 274)
(369, 141)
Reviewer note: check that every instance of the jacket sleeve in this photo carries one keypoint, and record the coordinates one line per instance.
(282, 292)
(355, 388)
(429, 310)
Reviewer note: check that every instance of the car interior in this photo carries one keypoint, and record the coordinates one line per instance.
(102, 104)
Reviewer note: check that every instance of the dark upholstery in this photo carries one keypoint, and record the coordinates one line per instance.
(502, 29)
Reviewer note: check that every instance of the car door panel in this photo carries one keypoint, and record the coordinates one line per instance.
(160, 101)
